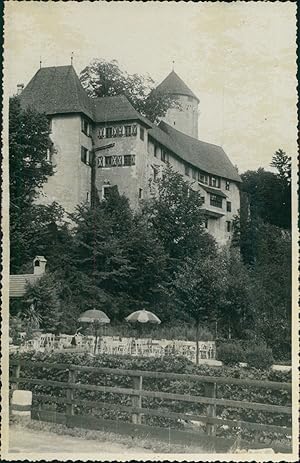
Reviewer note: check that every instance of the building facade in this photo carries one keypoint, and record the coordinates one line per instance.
(126, 149)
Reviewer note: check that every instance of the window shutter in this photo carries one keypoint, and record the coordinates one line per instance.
(100, 161)
(134, 129)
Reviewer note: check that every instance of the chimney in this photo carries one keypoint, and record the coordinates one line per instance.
(20, 88)
(39, 265)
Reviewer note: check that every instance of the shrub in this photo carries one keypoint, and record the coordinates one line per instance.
(230, 353)
(259, 356)
(168, 364)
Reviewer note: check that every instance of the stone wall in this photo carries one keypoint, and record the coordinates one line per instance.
(72, 179)
(184, 119)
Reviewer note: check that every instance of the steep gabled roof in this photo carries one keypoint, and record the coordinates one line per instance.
(205, 156)
(174, 85)
(56, 90)
(115, 108)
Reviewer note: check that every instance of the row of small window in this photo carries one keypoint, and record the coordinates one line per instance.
(120, 131)
(116, 160)
(217, 201)
(205, 178)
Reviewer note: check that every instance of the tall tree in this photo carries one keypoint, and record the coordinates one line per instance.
(268, 193)
(30, 224)
(175, 212)
(43, 296)
(121, 259)
(105, 78)
(199, 289)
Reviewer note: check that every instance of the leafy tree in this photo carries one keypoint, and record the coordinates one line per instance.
(105, 78)
(235, 313)
(30, 224)
(268, 193)
(28, 144)
(120, 260)
(43, 296)
(199, 288)
(176, 215)
(283, 163)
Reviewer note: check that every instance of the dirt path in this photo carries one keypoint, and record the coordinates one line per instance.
(23, 440)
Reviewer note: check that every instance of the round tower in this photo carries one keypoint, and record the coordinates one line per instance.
(185, 117)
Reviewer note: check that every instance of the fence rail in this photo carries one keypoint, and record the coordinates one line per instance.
(136, 392)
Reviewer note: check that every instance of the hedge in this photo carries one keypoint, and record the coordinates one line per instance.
(175, 365)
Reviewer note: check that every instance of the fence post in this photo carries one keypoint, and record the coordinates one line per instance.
(70, 393)
(137, 383)
(17, 370)
(210, 391)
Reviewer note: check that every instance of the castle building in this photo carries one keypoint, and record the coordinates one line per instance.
(128, 150)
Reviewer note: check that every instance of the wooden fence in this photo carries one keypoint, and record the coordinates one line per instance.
(136, 410)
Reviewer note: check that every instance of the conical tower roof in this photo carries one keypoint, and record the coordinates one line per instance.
(174, 85)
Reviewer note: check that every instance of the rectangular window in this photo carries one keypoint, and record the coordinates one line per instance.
(216, 201)
(128, 130)
(87, 197)
(140, 193)
(155, 151)
(206, 223)
(108, 161)
(186, 170)
(85, 155)
(142, 133)
(85, 127)
(163, 155)
(202, 199)
(129, 160)
(202, 178)
(194, 173)
(214, 181)
(228, 206)
(109, 132)
(228, 226)
(50, 124)
(227, 185)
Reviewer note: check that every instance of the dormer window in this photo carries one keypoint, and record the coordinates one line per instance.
(214, 181)
(202, 178)
(37, 263)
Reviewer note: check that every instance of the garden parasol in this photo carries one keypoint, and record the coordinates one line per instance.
(143, 316)
(95, 317)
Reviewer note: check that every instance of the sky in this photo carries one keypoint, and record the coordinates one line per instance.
(238, 58)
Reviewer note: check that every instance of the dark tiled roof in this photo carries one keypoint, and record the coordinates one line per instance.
(214, 191)
(56, 90)
(115, 108)
(205, 156)
(18, 283)
(174, 85)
